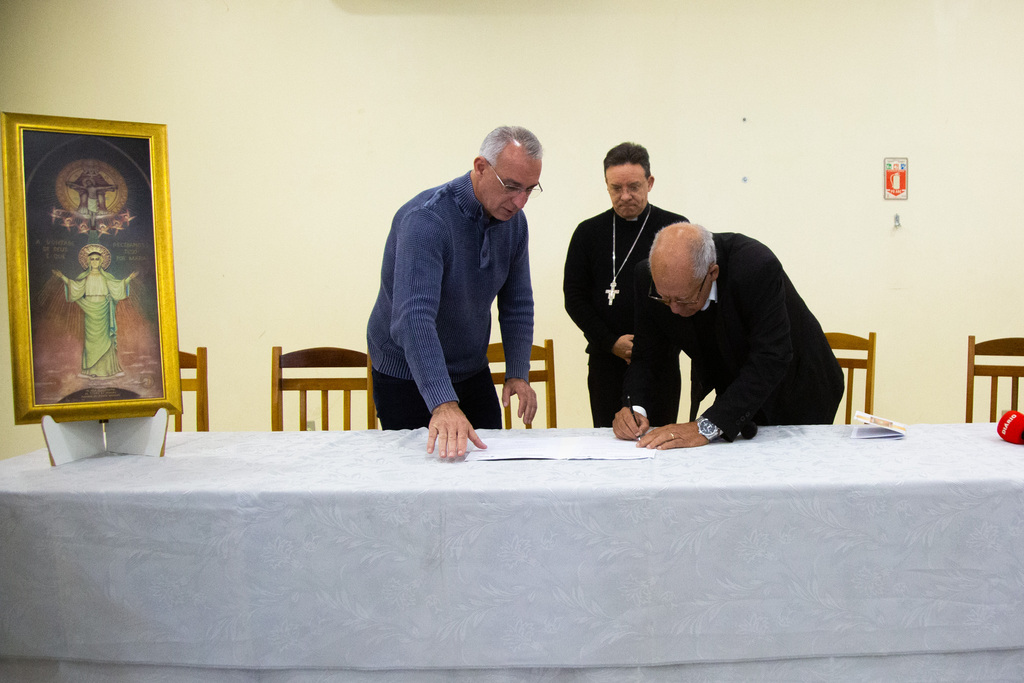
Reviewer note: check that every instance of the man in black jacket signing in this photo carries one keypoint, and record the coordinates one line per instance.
(725, 300)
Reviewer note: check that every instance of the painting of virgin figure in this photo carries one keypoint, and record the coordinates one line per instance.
(97, 292)
(95, 269)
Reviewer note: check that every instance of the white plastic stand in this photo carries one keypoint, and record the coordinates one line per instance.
(70, 441)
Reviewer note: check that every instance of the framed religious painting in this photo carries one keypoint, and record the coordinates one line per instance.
(90, 271)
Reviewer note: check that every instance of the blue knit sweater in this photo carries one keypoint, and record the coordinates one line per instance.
(445, 261)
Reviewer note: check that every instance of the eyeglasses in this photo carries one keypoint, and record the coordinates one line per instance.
(669, 301)
(631, 189)
(512, 188)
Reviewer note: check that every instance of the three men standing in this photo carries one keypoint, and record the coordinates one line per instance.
(723, 299)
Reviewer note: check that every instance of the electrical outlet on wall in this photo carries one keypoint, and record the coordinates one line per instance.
(310, 425)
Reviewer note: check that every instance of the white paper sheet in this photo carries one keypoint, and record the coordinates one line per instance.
(533, 447)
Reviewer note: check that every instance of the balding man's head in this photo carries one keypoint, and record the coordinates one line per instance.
(682, 263)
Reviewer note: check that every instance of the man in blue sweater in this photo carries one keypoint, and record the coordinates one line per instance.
(452, 250)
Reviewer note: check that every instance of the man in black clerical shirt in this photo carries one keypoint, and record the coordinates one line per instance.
(598, 282)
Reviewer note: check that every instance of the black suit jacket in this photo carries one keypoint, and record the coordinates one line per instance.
(774, 365)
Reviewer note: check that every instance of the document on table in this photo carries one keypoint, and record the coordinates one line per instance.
(534, 447)
(877, 427)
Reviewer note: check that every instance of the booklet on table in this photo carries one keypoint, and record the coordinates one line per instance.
(877, 427)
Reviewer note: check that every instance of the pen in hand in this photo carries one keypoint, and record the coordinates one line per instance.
(629, 401)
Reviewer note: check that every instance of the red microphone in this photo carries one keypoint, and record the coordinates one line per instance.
(1011, 427)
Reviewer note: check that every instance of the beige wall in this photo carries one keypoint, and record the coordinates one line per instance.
(296, 128)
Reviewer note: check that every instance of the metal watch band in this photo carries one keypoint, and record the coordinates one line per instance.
(708, 429)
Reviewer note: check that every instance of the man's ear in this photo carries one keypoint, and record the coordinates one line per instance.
(713, 271)
(479, 165)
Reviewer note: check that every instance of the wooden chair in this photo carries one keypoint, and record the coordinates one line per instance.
(1006, 346)
(195, 361)
(840, 341)
(319, 357)
(546, 353)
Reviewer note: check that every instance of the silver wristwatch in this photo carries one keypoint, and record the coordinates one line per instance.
(708, 429)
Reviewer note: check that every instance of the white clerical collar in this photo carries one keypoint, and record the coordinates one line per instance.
(635, 218)
(712, 296)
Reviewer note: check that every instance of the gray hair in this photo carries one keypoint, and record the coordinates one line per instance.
(500, 137)
(704, 254)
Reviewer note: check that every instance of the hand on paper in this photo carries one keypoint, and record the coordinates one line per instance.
(450, 429)
(527, 398)
(673, 436)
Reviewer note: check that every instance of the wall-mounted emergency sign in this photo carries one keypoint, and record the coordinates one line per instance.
(895, 178)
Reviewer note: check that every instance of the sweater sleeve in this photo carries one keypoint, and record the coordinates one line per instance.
(515, 310)
(422, 249)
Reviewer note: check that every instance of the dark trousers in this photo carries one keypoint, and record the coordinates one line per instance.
(605, 379)
(400, 405)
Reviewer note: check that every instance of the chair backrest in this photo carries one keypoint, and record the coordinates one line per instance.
(319, 357)
(195, 361)
(546, 353)
(1006, 346)
(864, 359)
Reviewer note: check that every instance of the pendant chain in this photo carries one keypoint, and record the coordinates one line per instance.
(612, 291)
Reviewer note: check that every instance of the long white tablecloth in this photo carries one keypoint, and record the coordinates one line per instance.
(798, 555)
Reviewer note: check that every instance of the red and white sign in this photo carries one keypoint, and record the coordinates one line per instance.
(895, 178)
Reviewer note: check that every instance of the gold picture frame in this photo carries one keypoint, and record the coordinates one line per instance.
(90, 270)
